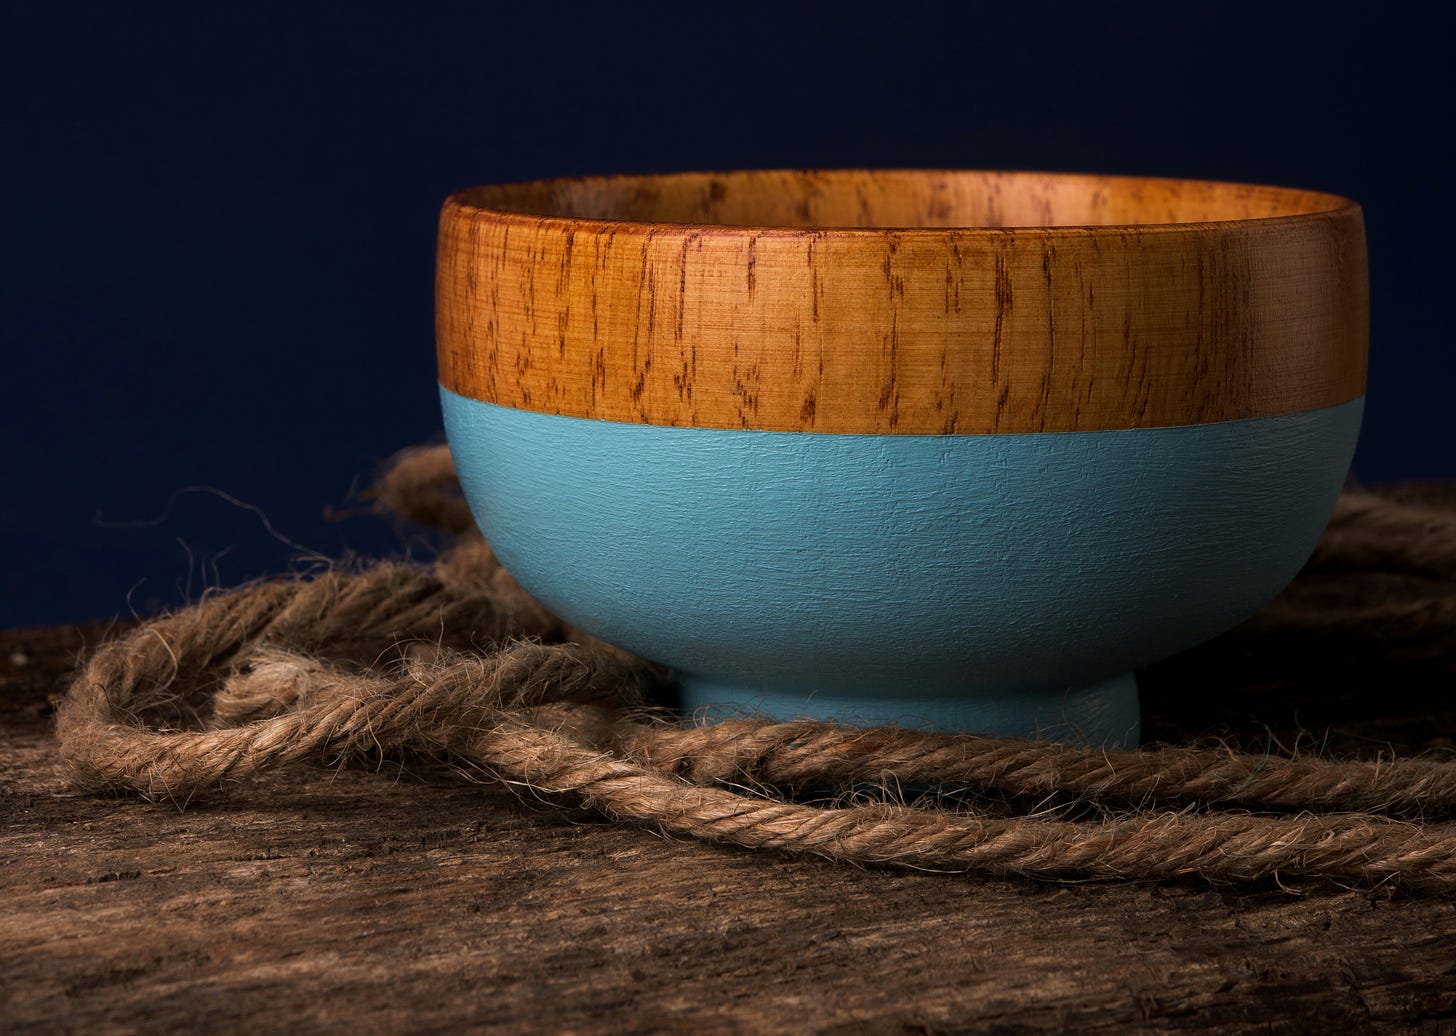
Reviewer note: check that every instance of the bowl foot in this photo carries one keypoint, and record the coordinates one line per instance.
(1104, 714)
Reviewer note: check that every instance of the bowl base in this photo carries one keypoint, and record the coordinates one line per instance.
(1104, 714)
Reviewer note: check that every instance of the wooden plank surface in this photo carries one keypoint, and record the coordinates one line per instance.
(405, 900)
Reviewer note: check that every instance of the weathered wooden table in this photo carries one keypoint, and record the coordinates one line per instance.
(400, 901)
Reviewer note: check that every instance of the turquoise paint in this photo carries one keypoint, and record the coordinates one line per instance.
(1000, 583)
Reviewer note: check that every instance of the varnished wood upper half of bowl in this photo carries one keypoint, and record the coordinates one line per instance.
(902, 301)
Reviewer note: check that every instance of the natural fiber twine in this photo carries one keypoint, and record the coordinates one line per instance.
(456, 662)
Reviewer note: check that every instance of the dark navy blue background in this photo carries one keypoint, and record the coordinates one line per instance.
(220, 219)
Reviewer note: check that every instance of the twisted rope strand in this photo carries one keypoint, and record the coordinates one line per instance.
(103, 739)
(798, 754)
(1221, 847)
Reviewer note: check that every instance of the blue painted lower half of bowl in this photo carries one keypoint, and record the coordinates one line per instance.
(1007, 584)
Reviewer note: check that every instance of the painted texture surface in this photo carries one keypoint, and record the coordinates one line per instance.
(872, 568)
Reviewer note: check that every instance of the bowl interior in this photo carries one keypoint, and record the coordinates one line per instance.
(899, 199)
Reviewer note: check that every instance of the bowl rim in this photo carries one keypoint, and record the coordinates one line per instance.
(1330, 205)
(909, 330)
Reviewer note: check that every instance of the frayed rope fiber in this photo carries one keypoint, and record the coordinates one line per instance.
(456, 662)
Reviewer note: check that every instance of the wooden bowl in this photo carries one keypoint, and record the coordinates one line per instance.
(950, 449)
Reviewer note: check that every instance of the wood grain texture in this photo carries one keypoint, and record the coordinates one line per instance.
(902, 302)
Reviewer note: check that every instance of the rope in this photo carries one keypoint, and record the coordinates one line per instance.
(457, 662)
